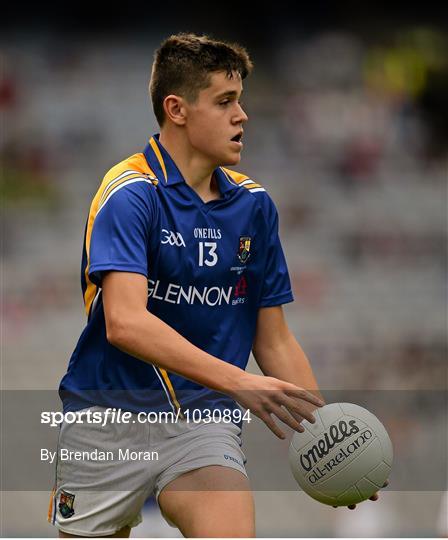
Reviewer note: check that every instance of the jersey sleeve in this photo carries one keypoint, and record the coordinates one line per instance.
(120, 234)
(276, 289)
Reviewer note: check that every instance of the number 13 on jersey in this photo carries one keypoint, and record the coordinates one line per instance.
(210, 251)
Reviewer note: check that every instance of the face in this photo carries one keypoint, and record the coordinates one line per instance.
(214, 123)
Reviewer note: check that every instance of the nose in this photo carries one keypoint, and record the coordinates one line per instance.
(241, 116)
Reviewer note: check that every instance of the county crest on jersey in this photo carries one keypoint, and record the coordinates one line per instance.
(244, 250)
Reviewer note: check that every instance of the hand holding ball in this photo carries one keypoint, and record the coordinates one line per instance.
(344, 458)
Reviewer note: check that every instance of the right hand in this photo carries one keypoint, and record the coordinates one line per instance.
(265, 396)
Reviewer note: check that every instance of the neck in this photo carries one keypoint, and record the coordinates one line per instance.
(195, 168)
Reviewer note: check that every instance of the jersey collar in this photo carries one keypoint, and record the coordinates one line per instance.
(169, 175)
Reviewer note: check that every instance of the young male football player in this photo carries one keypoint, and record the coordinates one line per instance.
(183, 275)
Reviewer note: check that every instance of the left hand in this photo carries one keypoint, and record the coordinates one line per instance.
(374, 497)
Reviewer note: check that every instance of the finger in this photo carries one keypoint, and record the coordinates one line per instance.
(286, 418)
(305, 395)
(293, 406)
(267, 419)
(351, 506)
(374, 497)
(298, 412)
(295, 414)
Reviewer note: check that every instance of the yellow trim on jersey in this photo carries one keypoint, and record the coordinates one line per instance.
(227, 176)
(251, 185)
(240, 178)
(114, 183)
(170, 387)
(156, 149)
(235, 176)
(134, 164)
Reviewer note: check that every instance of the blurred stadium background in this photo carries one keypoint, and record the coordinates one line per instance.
(348, 131)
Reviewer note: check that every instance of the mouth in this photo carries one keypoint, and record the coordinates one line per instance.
(238, 137)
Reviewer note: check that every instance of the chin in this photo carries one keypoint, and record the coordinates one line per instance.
(232, 160)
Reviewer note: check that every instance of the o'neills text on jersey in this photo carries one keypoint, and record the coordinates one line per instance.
(214, 234)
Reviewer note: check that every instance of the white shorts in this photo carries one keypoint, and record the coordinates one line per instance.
(102, 488)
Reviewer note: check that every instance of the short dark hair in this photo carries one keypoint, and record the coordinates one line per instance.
(184, 62)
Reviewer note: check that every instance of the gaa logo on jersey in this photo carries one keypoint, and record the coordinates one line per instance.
(66, 501)
(172, 238)
(244, 249)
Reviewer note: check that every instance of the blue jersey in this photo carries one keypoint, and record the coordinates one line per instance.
(210, 266)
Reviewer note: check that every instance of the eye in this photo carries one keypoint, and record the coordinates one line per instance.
(224, 102)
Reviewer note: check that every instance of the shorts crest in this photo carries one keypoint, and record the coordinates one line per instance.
(66, 501)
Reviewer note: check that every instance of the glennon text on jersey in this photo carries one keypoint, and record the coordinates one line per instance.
(176, 294)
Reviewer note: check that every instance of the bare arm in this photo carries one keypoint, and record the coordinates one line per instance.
(134, 330)
(278, 353)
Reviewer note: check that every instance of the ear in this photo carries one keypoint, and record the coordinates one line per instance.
(175, 109)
